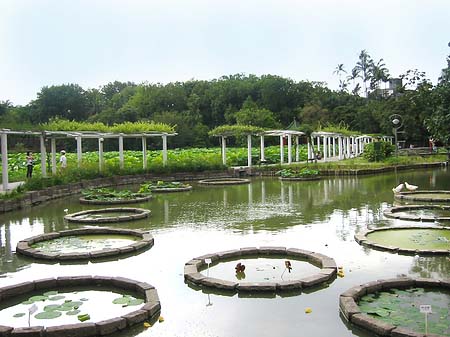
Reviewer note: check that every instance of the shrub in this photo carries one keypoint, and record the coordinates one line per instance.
(378, 151)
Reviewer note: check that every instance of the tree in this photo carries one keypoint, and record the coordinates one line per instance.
(339, 70)
(363, 69)
(251, 114)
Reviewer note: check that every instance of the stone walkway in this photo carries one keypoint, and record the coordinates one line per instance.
(11, 186)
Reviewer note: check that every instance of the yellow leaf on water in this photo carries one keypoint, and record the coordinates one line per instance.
(160, 319)
(147, 325)
(308, 310)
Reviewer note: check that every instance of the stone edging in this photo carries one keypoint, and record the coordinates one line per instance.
(149, 311)
(171, 189)
(193, 268)
(224, 181)
(412, 196)
(139, 198)
(362, 239)
(391, 213)
(139, 213)
(24, 246)
(350, 310)
(299, 178)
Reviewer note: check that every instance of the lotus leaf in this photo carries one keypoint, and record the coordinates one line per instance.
(48, 314)
(73, 312)
(71, 304)
(56, 298)
(20, 314)
(38, 298)
(51, 307)
(121, 300)
(50, 293)
(136, 301)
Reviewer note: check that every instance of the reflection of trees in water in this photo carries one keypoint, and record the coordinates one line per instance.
(428, 266)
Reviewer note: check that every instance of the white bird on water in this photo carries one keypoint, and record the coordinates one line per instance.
(398, 189)
(411, 187)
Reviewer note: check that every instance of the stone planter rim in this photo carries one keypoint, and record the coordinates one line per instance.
(391, 213)
(415, 195)
(300, 178)
(362, 239)
(146, 241)
(224, 181)
(171, 189)
(150, 309)
(348, 303)
(194, 267)
(138, 199)
(137, 213)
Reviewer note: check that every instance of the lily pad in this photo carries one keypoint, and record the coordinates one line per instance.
(20, 314)
(56, 298)
(73, 312)
(47, 315)
(51, 293)
(51, 307)
(38, 298)
(121, 300)
(71, 304)
(135, 301)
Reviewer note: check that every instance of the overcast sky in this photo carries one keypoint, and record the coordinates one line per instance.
(93, 42)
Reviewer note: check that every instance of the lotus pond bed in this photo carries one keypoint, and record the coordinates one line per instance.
(392, 307)
(436, 196)
(108, 196)
(164, 187)
(108, 215)
(265, 269)
(56, 307)
(429, 213)
(85, 243)
(413, 239)
(224, 181)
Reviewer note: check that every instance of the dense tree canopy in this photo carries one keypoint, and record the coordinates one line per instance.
(195, 107)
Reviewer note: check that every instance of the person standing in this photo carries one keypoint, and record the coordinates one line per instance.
(63, 160)
(29, 163)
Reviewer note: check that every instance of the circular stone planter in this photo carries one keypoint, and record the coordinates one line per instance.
(138, 199)
(393, 213)
(193, 268)
(145, 241)
(136, 213)
(224, 181)
(441, 196)
(363, 239)
(150, 310)
(299, 178)
(171, 189)
(352, 313)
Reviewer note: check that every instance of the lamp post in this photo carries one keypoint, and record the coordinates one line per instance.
(397, 123)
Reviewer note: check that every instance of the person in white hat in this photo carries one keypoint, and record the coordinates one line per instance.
(63, 159)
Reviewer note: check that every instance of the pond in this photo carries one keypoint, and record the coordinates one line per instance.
(320, 216)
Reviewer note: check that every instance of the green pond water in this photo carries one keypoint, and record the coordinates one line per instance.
(58, 308)
(402, 308)
(413, 238)
(320, 216)
(84, 243)
(103, 215)
(262, 270)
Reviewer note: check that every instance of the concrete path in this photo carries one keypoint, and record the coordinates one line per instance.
(11, 186)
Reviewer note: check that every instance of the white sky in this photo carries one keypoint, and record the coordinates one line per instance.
(93, 42)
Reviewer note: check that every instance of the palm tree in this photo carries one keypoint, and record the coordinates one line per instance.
(379, 73)
(339, 71)
(363, 69)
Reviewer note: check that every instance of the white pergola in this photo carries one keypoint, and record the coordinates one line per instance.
(78, 136)
(289, 134)
(346, 145)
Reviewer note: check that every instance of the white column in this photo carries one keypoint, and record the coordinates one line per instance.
(43, 156)
(318, 143)
(309, 151)
(325, 146)
(334, 146)
(144, 152)
(289, 139)
(224, 151)
(348, 147)
(121, 151)
(249, 150)
(53, 152)
(262, 156)
(329, 146)
(100, 154)
(297, 150)
(4, 139)
(340, 147)
(164, 150)
(281, 150)
(79, 151)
